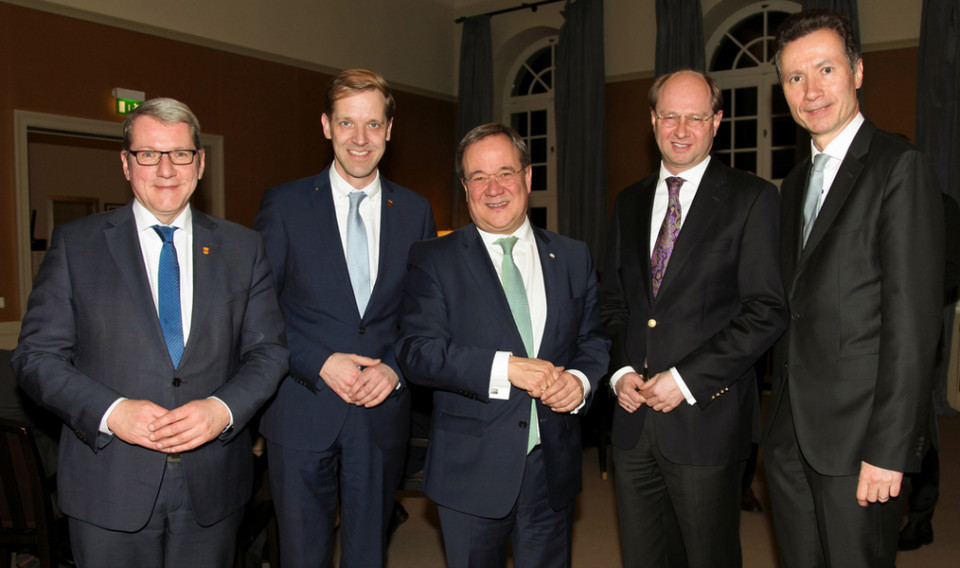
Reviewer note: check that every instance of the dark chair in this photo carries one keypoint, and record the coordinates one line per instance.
(26, 512)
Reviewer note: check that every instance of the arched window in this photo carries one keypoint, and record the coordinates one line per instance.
(757, 133)
(528, 104)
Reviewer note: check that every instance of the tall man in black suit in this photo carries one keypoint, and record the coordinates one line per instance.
(862, 259)
(153, 332)
(690, 310)
(501, 318)
(338, 242)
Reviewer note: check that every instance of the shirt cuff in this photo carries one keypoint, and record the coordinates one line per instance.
(230, 412)
(616, 377)
(104, 429)
(691, 400)
(586, 388)
(500, 376)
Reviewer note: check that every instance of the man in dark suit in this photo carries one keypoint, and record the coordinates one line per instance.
(502, 320)
(153, 332)
(338, 245)
(690, 311)
(862, 259)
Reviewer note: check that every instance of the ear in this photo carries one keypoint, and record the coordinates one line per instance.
(858, 73)
(325, 120)
(389, 129)
(201, 155)
(125, 162)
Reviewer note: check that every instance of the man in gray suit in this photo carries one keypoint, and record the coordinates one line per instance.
(153, 332)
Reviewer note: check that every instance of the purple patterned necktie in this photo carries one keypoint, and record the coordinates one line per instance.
(667, 235)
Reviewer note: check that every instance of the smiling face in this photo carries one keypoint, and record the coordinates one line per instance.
(359, 130)
(819, 85)
(681, 146)
(164, 189)
(497, 208)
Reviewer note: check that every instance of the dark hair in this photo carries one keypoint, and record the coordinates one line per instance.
(716, 95)
(805, 23)
(354, 81)
(167, 111)
(485, 131)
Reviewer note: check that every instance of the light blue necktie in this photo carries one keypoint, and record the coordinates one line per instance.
(358, 259)
(520, 308)
(814, 189)
(168, 294)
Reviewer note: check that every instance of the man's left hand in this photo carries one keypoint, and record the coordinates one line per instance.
(564, 395)
(374, 385)
(189, 426)
(662, 392)
(877, 485)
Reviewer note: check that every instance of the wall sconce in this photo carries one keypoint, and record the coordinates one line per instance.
(128, 99)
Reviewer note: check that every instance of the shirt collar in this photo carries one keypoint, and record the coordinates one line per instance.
(523, 233)
(837, 148)
(342, 188)
(146, 220)
(691, 176)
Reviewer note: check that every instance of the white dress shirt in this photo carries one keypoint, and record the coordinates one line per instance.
(527, 259)
(837, 150)
(369, 212)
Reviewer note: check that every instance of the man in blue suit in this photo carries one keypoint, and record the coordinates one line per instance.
(502, 320)
(153, 332)
(338, 243)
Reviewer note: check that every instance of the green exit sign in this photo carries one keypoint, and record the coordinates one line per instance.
(126, 106)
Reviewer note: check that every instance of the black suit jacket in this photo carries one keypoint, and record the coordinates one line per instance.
(455, 318)
(719, 308)
(91, 334)
(865, 297)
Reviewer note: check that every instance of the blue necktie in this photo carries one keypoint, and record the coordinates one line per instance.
(168, 294)
(358, 260)
(520, 308)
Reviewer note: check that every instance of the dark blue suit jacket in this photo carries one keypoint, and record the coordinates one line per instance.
(91, 334)
(299, 227)
(455, 318)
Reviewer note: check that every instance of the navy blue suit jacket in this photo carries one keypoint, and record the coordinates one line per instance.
(455, 318)
(91, 335)
(299, 227)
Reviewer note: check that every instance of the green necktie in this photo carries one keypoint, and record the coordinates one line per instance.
(517, 298)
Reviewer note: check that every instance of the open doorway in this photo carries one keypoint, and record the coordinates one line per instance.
(70, 167)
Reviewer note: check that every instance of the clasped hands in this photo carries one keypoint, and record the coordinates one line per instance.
(558, 390)
(152, 426)
(359, 380)
(660, 392)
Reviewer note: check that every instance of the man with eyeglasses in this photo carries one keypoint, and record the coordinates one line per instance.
(153, 332)
(337, 431)
(501, 319)
(692, 298)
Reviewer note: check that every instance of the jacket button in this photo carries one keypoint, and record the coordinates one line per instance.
(176, 382)
(361, 330)
(651, 322)
(795, 316)
(523, 424)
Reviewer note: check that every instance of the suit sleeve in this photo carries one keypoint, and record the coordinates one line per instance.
(911, 253)
(762, 312)
(48, 346)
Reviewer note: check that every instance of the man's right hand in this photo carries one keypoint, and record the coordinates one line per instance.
(628, 392)
(130, 419)
(532, 375)
(341, 370)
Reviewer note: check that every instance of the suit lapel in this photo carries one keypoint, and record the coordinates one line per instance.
(694, 223)
(207, 252)
(484, 274)
(553, 267)
(388, 245)
(847, 175)
(642, 225)
(123, 242)
(328, 231)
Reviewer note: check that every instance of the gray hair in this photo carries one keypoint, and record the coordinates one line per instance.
(167, 111)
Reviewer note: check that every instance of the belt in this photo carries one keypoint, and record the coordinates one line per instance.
(173, 458)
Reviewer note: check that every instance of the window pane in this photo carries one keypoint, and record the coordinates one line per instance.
(723, 157)
(749, 29)
(783, 162)
(745, 133)
(725, 55)
(746, 161)
(538, 150)
(538, 123)
(726, 102)
(521, 84)
(722, 140)
(784, 131)
(778, 101)
(541, 60)
(538, 216)
(518, 121)
(745, 101)
(539, 181)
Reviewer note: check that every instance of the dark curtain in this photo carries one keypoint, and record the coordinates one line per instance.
(679, 36)
(581, 118)
(475, 102)
(938, 99)
(846, 8)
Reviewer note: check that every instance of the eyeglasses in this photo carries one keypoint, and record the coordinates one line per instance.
(506, 178)
(152, 157)
(693, 120)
